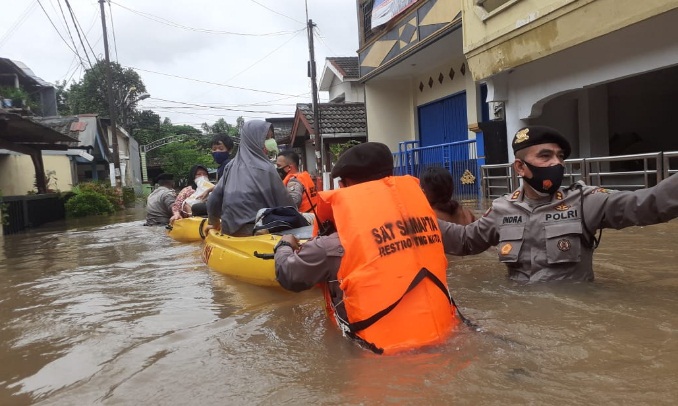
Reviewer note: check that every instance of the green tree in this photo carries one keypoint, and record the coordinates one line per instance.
(62, 95)
(178, 157)
(221, 126)
(146, 126)
(89, 95)
(337, 149)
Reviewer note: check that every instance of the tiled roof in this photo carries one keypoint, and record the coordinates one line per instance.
(348, 65)
(337, 118)
(282, 128)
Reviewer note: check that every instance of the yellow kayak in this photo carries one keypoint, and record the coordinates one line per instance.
(187, 229)
(249, 259)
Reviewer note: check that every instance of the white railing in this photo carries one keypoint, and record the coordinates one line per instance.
(627, 172)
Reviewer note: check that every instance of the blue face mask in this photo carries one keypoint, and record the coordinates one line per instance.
(220, 156)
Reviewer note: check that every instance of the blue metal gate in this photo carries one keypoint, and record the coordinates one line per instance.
(460, 158)
(443, 121)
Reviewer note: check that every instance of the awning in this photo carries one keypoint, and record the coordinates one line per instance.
(15, 129)
(80, 154)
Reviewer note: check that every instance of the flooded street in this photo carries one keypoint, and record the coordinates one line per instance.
(93, 313)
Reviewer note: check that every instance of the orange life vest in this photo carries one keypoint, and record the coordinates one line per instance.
(309, 198)
(393, 272)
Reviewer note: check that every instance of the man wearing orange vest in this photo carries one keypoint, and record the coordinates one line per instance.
(299, 185)
(384, 268)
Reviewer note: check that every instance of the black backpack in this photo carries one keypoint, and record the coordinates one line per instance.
(276, 219)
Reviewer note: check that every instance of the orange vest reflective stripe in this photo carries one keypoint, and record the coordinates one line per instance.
(393, 273)
(307, 205)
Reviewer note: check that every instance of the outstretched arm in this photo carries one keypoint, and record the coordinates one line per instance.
(470, 239)
(654, 205)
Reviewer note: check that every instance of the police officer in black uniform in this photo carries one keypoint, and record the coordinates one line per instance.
(547, 232)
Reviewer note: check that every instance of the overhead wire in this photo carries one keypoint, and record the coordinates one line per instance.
(19, 21)
(265, 56)
(219, 105)
(68, 29)
(55, 28)
(79, 29)
(276, 12)
(211, 107)
(115, 42)
(209, 82)
(204, 30)
(71, 66)
(321, 38)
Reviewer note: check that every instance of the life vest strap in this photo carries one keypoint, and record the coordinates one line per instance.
(423, 273)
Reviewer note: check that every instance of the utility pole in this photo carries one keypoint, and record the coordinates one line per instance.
(111, 102)
(314, 90)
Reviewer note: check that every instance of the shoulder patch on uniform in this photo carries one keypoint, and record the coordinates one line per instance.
(515, 195)
(559, 195)
(601, 190)
(562, 207)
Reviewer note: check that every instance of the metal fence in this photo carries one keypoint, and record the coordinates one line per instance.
(624, 172)
(460, 158)
(670, 163)
(31, 211)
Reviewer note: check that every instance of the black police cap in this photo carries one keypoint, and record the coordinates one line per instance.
(539, 134)
(366, 161)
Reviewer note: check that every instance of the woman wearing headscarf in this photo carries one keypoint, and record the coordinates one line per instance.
(249, 183)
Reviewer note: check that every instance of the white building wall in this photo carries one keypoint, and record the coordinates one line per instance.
(18, 173)
(357, 93)
(352, 91)
(640, 48)
(389, 108)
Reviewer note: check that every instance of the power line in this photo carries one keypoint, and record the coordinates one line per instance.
(68, 29)
(264, 57)
(204, 30)
(210, 83)
(273, 11)
(115, 42)
(224, 106)
(20, 20)
(79, 29)
(320, 37)
(209, 107)
(56, 29)
(71, 66)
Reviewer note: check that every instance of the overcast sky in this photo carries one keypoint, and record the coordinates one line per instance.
(259, 47)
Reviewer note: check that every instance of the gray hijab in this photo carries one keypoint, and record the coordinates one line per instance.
(250, 182)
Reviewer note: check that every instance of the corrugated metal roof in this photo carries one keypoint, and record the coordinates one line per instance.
(24, 71)
(23, 130)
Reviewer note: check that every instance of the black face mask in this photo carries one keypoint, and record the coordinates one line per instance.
(281, 172)
(545, 179)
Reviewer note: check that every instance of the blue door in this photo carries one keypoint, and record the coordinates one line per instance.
(443, 121)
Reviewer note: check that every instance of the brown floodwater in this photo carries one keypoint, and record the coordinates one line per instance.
(106, 311)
